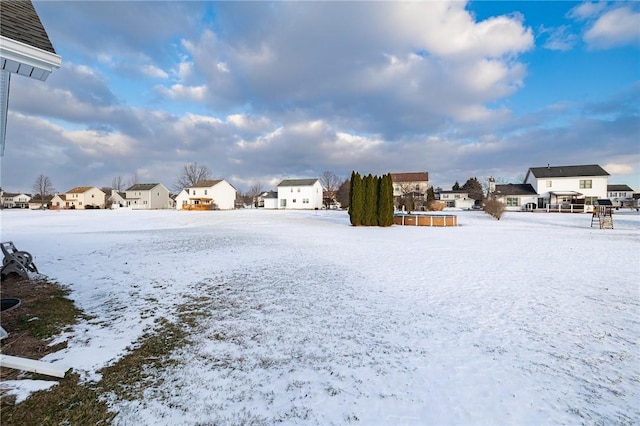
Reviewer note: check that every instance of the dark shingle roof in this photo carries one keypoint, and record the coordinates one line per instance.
(20, 22)
(297, 182)
(410, 177)
(515, 189)
(619, 188)
(142, 186)
(206, 183)
(567, 171)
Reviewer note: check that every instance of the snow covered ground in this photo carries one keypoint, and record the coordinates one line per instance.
(533, 319)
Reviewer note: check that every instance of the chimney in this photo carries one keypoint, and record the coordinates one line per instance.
(548, 166)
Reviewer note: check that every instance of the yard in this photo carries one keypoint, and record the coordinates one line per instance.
(297, 317)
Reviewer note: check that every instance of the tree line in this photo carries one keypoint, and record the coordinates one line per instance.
(371, 200)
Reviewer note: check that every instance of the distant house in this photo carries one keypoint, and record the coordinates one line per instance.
(403, 183)
(620, 195)
(12, 200)
(568, 187)
(458, 199)
(303, 194)
(515, 196)
(412, 186)
(80, 197)
(115, 199)
(267, 200)
(147, 196)
(207, 195)
(37, 203)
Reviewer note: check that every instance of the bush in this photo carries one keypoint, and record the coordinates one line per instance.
(437, 206)
(495, 208)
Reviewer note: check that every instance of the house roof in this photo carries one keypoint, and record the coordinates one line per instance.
(206, 183)
(79, 190)
(36, 198)
(619, 188)
(142, 186)
(298, 182)
(410, 177)
(515, 189)
(454, 191)
(567, 171)
(25, 48)
(21, 22)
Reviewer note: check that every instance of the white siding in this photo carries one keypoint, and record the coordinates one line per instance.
(300, 197)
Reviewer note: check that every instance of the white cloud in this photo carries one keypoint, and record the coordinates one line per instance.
(559, 38)
(182, 92)
(154, 72)
(587, 10)
(617, 27)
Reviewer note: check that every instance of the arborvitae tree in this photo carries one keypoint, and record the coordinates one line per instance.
(356, 203)
(351, 183)
(456, 186)
(370, 217)
(431, 195)
(385, 201)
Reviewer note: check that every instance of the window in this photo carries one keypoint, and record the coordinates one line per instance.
(512, 201)
(417, 187)
(298, 189)
(293, 201)
(549, 184)
(305, 201)
(590, 201)
(457, 196)
(585, 184)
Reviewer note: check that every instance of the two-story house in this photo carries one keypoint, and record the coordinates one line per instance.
(80, 197)
(568, 187)
(410, 187)
(620, 195)
(207, 195)
(147, 196)
(300, 194)
(12, 200)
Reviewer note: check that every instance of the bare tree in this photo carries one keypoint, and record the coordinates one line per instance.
(330, 183)
(42, 187)
(254, 192)
(117, 184)
(192, 173)
(133, 180)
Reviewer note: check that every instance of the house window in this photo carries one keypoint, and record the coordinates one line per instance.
(417, 187)
(305, 201)
(585, 184)
(205, 192)
(512, 201)
(298, 189)
(293, 201)
(184, 202)
(549, 184)
(590, 201)
(457, 196)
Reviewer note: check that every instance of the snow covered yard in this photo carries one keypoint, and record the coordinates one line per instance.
(533, 319)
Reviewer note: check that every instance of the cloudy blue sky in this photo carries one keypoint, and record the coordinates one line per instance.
(261, 91)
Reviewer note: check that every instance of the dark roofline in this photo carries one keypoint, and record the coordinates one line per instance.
(20, 22)
(566, 171)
